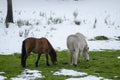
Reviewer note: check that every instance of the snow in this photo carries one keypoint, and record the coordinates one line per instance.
(82, 75)
(118, 57)
(28, 74)
(90, 77)
(2, 72)
(2, 77)
(108, 44)
(67, 72)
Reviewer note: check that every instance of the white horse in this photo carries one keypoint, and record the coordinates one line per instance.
(77, 44)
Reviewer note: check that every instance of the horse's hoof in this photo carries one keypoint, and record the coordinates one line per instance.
(48, 64)
(55, 64)
(75, 65)
(36, 65)
(24, 66)
(65, 63)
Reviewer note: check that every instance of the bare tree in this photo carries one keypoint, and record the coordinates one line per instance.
(9, 17)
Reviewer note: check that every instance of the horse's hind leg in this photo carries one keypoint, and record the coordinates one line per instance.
(24, 61)
(47, 62)
(78, 60)
(71, 57)
(37, 60)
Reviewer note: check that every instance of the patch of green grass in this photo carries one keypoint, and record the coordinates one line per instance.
(118, 38)
(101, 38)
(102, 63)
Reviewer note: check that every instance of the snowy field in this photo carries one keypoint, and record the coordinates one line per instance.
(55, 20)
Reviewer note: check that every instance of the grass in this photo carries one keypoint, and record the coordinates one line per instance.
(101, 38)
(118, 38)
(102, 63)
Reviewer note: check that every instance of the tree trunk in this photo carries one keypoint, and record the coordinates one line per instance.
(9, 17)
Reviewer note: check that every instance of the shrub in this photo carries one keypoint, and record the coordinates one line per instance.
(95, 22)
(75, 14)
(55, 20)
(118, 38)
(77, 22)
(20, 23)
(20, 33)
(42, 14)
(101, 38)
(23, 22)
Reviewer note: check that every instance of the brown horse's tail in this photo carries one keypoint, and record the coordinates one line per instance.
(23, 55)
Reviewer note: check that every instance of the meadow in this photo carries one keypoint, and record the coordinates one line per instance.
(102, 63)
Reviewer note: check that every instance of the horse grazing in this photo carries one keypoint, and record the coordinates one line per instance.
(38, 46)
(77, 44)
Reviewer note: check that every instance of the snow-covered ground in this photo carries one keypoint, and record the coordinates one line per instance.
(90, 77)
(67, 72)
(82, 75)
(2, 77)
(55, 20)
(28, 74)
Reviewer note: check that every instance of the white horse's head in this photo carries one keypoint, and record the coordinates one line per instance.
(86, 53)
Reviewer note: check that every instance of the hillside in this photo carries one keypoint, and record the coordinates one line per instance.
(56, 19)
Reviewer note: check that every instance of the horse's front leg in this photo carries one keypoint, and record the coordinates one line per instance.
(75, 59)
(76, 54)
(47, 62)
(37, 59)
(78, 60)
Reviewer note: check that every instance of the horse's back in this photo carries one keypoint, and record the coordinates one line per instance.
(29, 43)
(43, 45)
(82, 41)
(72, 42)
(81, 36)
(38, 45)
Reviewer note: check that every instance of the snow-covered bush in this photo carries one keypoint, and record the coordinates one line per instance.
(42, 14)
(118, 38)
(23, 22)
(54, 20)
(77, 22)
(94, 25)
(75, 14)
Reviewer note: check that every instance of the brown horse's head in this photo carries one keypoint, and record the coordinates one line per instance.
(53, 56)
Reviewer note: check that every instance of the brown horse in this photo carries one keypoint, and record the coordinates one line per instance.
(38, 46)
